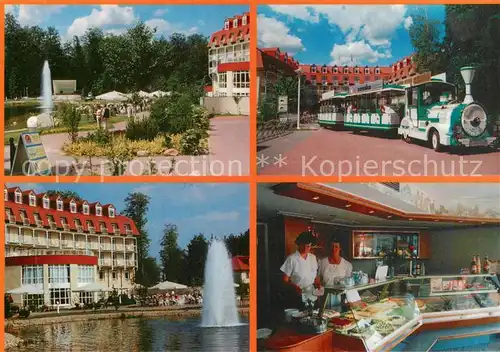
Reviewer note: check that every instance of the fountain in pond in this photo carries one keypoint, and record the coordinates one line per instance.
(219, 299)
(45, 118)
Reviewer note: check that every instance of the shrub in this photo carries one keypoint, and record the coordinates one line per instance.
(24, 313)
(268, 109)
(191, 142)
(146, 129)
(201, 118)
(70, 117)
(173, 114)
(100, 137)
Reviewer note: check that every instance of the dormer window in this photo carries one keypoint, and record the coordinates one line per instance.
(226, 25)
(32, 200)
(377, 70)
(46, 202)
(367, 70)
(98, 210)
(313, 69)
(235, 23)
(18, 197)
(346, 70)
(111, 212)
(72, 206)
(356, 70)
(59, 205)
(324, 69)
(86, 209)
(335, 70)
(244, 21)
(5, 195)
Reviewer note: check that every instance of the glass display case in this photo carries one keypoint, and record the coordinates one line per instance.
(452, 296)
(378, 315)
(369, 244)
(374, 314)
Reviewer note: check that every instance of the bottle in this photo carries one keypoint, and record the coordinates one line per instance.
(473, 265)
(486, 265)
(478, 263)
(418, 269)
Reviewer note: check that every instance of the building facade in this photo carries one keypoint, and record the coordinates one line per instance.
(272, 64)
(229, 58)
(61, 251)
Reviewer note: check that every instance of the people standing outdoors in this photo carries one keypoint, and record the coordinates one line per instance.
(105, 117)
(98, 116)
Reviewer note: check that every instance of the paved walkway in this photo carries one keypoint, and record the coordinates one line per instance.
(342, 153)
(228, 156)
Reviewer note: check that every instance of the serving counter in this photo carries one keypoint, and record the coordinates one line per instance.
(379, 316)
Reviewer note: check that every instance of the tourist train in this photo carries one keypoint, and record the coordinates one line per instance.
(425, 110)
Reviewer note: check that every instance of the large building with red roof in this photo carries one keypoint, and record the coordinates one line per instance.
(229, 58)
(272, 63)
(62, 251)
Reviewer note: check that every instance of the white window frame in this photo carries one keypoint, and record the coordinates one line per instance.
(244, 21)
(313, 69)
(63, 296)
(98, 210)
(241, 79)
(127, 275)
(86, 274)
(35, 278)
(377, 71)
(18, 197)
(85, 209)
(32, 200)
(60, 205)
(346, 70)
(226, 25)
(235, 23)
(222, 80)
(111, 212)
(60, 276)
(367, 71)
(46, 202)
(5, 195)
(72, 207)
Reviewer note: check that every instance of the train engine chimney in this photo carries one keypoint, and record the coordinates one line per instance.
(468, 76)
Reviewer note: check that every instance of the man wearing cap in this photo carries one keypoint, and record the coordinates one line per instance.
(300, 269)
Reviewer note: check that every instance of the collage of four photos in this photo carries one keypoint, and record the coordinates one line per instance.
(251, 177)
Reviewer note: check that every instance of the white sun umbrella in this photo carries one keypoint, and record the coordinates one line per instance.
(159, 93)
(27, 289)
(112, 96)
(94, 287)
(144, 94)
(167, 285)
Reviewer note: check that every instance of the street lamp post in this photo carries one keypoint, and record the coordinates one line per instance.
(298, 98)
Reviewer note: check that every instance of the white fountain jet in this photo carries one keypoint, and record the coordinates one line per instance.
(219, 300)
(468, 76)
(45, 118)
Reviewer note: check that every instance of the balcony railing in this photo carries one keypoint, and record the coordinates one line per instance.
(26, 222)
(105, 262)
(28, 240)
(12, 219)
(104, 230)
(118, 247)
(68, 243)
(39, 223)
(130, 262)
(54, 242)
(118, 262)
(79, 228)
(52, 225)
(116, 231)
(80, 245)
(94, 245)
(128, 231)
(105, 247)
(66, 227)
(91, 229)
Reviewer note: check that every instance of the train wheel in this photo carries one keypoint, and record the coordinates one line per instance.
(435, 143)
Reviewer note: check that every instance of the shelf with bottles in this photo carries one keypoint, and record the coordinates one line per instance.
(376, 244)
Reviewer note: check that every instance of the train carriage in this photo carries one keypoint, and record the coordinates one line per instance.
(332, 109)
(433, 114)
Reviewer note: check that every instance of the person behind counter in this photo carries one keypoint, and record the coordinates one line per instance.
(300, 270)
(334, 268)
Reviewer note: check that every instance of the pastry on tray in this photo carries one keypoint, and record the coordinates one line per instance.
(383, 327)
(328, 314)
(341, 323)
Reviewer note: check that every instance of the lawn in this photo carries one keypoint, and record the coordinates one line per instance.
(87, 126)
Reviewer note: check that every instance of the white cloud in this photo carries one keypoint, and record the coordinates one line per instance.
(160, 12)
(360, 52)
(298, 12)
(107, 15)
(274, 33)
(166, 28)
(32, 15)
(408, 22)
(373, 25)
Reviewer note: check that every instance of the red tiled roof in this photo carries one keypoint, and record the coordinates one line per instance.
(233, 34)
(119, 220)
(241, 263)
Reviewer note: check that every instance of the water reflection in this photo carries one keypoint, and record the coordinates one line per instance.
(148, 334)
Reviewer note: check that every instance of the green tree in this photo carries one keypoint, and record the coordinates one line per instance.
(171, 256)
(238, 244)
(64, 194)
(136, 208)
(195, 259)
(153, 271)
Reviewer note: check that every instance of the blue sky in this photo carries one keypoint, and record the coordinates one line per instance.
(219, 209)
(333, 34)
(74, 20)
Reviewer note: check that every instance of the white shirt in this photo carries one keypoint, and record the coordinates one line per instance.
(302, 272)
(331, 273)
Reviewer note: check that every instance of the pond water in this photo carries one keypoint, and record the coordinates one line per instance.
(141, 334)
(17, 115)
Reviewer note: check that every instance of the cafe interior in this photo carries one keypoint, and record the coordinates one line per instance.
(425, 265)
